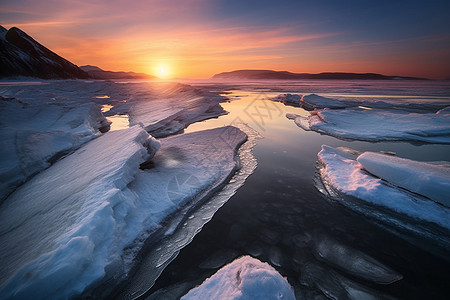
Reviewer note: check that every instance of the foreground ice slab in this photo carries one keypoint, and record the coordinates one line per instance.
(244, 278)
(35, 132)
(61, 229)
(378, 124)
(85, 218)
(341, 173)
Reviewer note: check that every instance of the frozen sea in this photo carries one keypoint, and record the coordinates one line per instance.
(280, 217)
(273, 208)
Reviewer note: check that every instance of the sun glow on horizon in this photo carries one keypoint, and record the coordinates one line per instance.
(162, 70)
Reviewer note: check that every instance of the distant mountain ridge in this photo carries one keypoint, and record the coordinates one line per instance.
(21, 55)
(285, 75)
(97, 73)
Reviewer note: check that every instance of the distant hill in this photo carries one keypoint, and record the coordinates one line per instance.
(21, 55)
(97, 73)
(285, 75)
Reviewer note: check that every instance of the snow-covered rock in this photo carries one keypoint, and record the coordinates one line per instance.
(34, 133)
(378, 124)
(430, 180)
(88, 214)
(342, 173)
(244, 278)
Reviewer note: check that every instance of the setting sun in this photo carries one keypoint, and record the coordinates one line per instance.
(162, 71)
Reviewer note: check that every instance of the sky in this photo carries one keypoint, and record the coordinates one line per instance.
(199, 38)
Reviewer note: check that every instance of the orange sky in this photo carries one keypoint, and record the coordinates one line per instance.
(198, 38)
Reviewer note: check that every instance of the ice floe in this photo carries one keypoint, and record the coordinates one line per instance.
(342, 174)
(86, 216)
(378, 124)
(34, 133)
(430, 180)
(244, 278)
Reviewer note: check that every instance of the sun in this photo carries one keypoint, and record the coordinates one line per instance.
(162, 71)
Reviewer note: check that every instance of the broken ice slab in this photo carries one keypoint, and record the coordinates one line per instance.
(335, 286)
(430, 180)
(378, 124)
(354, 262)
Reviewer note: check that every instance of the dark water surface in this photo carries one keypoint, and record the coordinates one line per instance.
(279, 217)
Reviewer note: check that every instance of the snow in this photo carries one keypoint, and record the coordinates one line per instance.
(69, 225)
(342, 172)
(430, 180)
(378, 124)
(244, 278)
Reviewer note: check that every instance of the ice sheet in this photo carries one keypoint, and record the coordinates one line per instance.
(244, 278)
(378, 124)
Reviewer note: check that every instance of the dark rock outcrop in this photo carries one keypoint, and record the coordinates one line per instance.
(21, 55)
